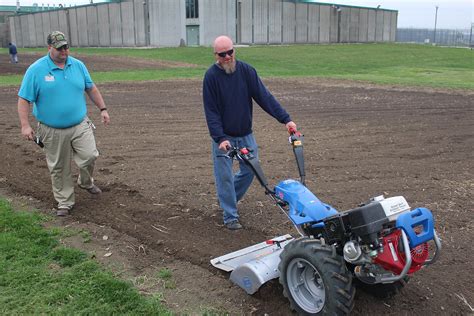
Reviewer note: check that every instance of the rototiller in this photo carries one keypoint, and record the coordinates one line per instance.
(378, 245)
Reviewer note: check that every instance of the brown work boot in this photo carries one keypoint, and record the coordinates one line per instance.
(234, 225)
(63, 210)
(93, 189)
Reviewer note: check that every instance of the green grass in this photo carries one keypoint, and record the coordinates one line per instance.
(38, 276)
(166, 276)
(401, 64)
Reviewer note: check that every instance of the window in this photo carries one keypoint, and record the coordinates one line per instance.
(192, 9)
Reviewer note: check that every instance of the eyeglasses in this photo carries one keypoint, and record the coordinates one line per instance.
(230, 52)
(64, 47)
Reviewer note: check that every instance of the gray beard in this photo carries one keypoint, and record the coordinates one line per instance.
(228, 68)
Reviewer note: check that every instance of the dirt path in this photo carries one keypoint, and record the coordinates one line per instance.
(360, 141)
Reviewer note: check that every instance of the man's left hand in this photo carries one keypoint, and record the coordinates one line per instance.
(105, 117)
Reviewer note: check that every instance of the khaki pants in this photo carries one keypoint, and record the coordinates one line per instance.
(63, 145)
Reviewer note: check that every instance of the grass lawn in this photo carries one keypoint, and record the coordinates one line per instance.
(402, 64)
(39, 276)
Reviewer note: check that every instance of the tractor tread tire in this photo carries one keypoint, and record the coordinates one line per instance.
(339, 290)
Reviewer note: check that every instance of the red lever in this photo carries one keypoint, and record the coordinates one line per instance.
(244, 151)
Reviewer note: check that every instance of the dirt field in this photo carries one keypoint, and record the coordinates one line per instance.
(159, 207)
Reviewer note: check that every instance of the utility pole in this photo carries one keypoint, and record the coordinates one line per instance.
(470, 37)
(436, 20)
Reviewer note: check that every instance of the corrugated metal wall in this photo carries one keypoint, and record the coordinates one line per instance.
(167, 22)
(98, 25)
(163, 23)
(286, 22)
(216, 17)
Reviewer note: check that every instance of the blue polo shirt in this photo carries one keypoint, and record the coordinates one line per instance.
(57, 94)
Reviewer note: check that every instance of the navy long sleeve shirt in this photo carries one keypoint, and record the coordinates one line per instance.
(228, 101)
(12, 49)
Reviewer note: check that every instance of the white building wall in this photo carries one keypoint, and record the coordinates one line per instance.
(54, 21)
(333, 25)
(82, 27)
(217, 17)
(63, 23)
(363, 24)
(354, 25)
(379, 25)
(38, 25)
(371, 22)
(25, 36)
(245, 21)
(46, 24)
(324, 23)
(167, 22)
(387, 25)
(31, 30)
(345, 25)
(103, 25)
(139, 22)
(92, 26)
(393, 27)
(313, 23)
(128, 30)
(13, 30)
(73, 29)
(289, 22)
(260, 21)
(115, 18)
(275, 10)
(301, 32)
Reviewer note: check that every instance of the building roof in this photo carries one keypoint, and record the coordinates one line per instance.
(344, 5)
(37, 8)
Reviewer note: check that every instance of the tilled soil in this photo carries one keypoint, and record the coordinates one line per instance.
(159, 202)
(94, 63)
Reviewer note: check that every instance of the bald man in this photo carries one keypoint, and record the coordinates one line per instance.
(229, 87)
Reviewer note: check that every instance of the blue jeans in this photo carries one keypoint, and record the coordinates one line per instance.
(232, 187)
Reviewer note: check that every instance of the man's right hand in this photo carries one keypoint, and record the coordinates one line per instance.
(225, 145)
(23, 111)
(27, 132)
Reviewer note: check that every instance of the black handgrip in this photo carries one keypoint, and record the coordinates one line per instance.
(38, 141)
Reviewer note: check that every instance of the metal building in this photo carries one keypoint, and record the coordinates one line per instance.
(158, 23)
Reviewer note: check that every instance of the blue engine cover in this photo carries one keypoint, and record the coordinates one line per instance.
(304, 206)
(420, 218)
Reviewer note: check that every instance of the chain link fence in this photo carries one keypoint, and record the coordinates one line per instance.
(442, 37)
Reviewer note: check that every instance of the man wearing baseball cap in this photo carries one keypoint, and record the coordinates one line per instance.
(54, 85)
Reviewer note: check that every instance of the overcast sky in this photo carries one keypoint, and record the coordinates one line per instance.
(411, 13)
(421, 13)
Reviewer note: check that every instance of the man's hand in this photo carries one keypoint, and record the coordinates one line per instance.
(96, 97)
(27, 132)
(291, 127)
(23, 111)
(105, 117)
(225, 145)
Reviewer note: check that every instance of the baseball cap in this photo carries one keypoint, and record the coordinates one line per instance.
(57, 39)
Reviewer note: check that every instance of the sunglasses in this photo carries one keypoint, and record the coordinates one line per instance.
(64, 47)
(230, 52)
